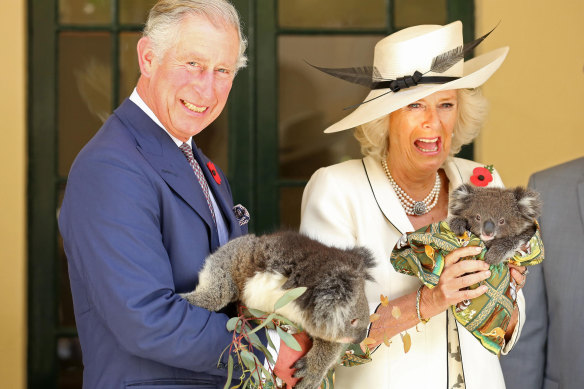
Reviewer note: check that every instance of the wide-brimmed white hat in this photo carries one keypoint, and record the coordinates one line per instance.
(405, 71)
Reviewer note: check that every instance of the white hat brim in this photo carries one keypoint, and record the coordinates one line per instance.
(476, 71)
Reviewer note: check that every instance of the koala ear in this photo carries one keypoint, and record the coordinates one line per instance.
(528, 201)
(337, 288)
(459, 197)
(330, 296)
(365, 261)
(333, 288)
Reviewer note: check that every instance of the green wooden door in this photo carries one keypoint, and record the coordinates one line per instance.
(269, 140)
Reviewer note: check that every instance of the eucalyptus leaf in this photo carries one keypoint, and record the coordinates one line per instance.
(231, 323)
(407, 340)
(254, 340)
(270, 343)
(290, 295)
(257, 313)
(289, 339)
(229, 372)
(268, 355)
(284, 320)
(267, 374)
(249, 359)
(256, 376)
(263, 324)
(265, 351)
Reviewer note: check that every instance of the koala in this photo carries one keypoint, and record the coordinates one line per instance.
(257, 271)
(502, 218)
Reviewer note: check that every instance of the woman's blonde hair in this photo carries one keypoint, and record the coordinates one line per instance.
(166, 15)
(472, 111)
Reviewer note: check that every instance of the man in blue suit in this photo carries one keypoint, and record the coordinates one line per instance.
(144, 208)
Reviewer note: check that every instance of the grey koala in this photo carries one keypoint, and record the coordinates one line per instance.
(502, 218)
(257, 270)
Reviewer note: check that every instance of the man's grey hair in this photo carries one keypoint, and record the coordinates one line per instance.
(166, 15)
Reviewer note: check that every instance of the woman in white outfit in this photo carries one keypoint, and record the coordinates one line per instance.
(409, 128)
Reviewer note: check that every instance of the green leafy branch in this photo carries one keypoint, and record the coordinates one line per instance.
(245, 340)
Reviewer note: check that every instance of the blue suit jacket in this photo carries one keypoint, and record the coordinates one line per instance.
(136, 229)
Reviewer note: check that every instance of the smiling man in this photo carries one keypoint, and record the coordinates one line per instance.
(144, 208)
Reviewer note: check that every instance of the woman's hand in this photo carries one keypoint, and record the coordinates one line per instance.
(400, 314)
(454, 280)
(519, 275)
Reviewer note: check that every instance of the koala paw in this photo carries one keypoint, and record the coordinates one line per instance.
(493, 257)
(457, 226)
(309, 380)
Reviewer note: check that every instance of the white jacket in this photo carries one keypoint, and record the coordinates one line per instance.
(352, 203)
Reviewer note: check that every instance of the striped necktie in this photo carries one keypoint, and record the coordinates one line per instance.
(188, 152)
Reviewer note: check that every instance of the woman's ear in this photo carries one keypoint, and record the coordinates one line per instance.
(146, 56)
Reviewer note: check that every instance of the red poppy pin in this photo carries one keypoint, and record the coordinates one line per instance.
(214, 173)
(481, 176)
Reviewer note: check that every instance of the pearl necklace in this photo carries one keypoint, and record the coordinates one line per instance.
(411, 206)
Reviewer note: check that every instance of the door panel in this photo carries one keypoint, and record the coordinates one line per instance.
(268, 140)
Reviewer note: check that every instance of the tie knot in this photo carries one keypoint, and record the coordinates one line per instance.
(187, 150)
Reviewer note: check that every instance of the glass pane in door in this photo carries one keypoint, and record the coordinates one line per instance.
(84, 94)
(134, 11)
(290, 202)
(69, 363)
(413, 12)
(128, 69)
(310, 100)
(332, 13)
(85, 11)
(65, 302)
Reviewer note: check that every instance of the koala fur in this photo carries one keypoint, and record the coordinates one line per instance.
(257, 271)
(502, 218)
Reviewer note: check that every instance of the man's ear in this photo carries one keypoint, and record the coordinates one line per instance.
(146, 56)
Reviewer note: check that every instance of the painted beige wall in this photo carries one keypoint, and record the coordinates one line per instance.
(13, 195)
(537, 96)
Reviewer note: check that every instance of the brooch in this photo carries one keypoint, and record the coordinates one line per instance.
(481, 176)
(214, 173)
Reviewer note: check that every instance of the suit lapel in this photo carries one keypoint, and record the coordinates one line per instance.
(385, 196)
(221, 193)
(167, 160)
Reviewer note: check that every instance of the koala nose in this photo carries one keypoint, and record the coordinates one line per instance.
(489, 228)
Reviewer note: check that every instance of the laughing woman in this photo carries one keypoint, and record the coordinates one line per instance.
(409, 127)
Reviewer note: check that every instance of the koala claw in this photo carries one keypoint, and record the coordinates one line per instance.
(305, 383)
(308, 379)
(492, 257)
(301, 367)
(458, 226)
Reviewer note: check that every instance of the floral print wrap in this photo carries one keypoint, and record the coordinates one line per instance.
(421, 253)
